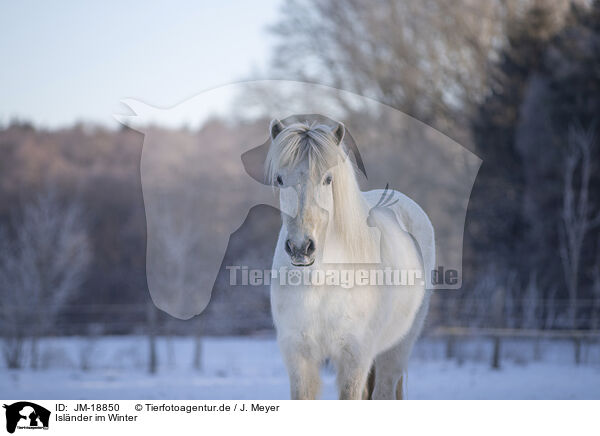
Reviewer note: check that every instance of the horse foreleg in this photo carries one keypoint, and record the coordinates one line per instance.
(351, 382)
(305, 380)
(390, 368)
(352, 373)
(370, 385)
(400, 389)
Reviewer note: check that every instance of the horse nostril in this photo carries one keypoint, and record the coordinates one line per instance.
(289, 247)
(309, 247)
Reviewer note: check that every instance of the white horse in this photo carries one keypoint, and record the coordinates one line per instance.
(330, 226)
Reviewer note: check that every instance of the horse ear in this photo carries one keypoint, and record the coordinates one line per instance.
(275, 128)
(338, 132)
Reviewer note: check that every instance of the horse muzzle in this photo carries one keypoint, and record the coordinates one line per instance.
(301, 254)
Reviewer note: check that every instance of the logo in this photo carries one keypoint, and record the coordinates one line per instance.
(209, 197)
(26, 415)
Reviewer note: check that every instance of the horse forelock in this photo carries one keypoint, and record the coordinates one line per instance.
(300, 142)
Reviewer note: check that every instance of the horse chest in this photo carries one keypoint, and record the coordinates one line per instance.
(322, 315)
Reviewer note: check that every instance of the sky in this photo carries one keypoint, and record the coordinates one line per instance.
(69, 61)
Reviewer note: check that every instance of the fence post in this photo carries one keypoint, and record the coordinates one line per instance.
(496, 353)
(498, 313)
(577, 343)
(198, 345)
(151, 320)
(450, 342)
(449, 315)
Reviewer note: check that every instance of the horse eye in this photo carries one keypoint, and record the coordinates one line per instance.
(279, 180)
(327, 180)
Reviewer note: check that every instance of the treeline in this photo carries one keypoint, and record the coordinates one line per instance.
(93, 174)
(516, 82)
(534, 217)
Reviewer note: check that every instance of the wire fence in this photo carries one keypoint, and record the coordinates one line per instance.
(451, 320)
(231, 319)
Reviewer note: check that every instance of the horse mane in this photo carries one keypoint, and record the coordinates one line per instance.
(317, 143)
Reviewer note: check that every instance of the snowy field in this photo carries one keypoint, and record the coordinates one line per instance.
(251, 368)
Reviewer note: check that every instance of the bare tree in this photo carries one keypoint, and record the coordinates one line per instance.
(531, 304)
(551, 315)
(42, 265)
(11, 319)
(429, 58)
(577, 216)
(477, 306)
(532, 308)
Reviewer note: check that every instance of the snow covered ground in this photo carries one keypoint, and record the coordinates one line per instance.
(251, 368)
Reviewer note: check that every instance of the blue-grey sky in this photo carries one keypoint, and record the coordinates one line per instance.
(70, 61)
